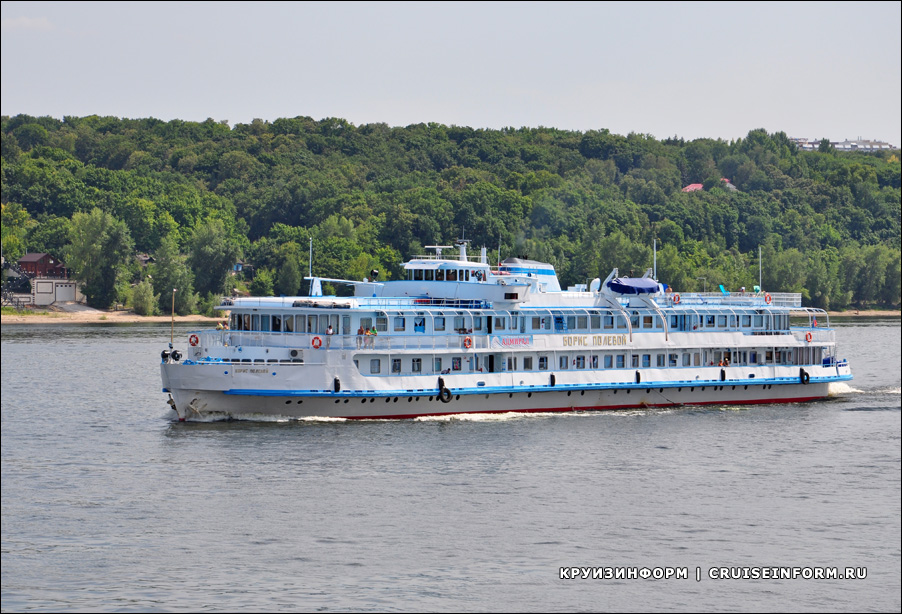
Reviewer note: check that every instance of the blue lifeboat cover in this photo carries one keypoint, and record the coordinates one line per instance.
(633, 285)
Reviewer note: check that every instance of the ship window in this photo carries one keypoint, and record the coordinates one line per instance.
(753, 357)
(460, 323)
(596, 322)
(527, 363)
(514, 322)
(648, 322)
(375, 365)
(276, 323)
(709, 321)
(455, 363)
(608, 322)
(451, 275)
(395, 365)
(418, 274)
(580, 362)
(466, 275)
(759, 321)
(621, 361)
(430, 275)
(608, 361)
(477, 323)
(563, 362)
(255, 322)
(511, 363)
(746, 321)
(582, 322)
(594, 364)
(543, 363)
(288, 324)
(674, 321)
(311, 324)
(536, 323)
(634, 319)
(399, 324)
(661, 360)
(733, 321)
(416, 365)
(439, 275)
(366, 323)
(499, 322)
(686, 359)
(672, 360)
(440, 323)
(697, 359)
(722, 321)
(437, 365)
(571, 322)
(264, 322)
(646, 360)
(634, 361)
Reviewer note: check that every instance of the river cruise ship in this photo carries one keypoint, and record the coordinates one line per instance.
(460, 336)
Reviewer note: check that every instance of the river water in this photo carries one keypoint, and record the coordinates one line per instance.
(110, 505)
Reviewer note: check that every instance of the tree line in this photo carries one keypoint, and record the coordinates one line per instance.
(198, 196)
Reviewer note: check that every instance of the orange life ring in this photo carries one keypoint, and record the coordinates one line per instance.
(767, 298)
(317, 343)
(468, 343)
(808, 336)
(676, 299)
(193, 340)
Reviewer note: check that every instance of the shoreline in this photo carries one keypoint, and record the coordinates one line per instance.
(129, 317)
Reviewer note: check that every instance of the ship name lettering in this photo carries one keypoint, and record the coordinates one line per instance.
(594, 340)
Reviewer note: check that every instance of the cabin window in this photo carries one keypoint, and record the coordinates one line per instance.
(418, 274)
(429, 275)
(660, 360)
(439, 275)
(527, 363)
(477, 323)
(634, 361)
(722, 321)
(395, 365)
(437, 365)
(580, 362)
(366, 323)
(460, 324)
(543, 363)
(674, 321)
(648, 322)
(687, 359)
(594, 364)
(311, 324)
(288, 324)
(536, 323)
(609, 322)
(399, 324)
(416, 365)
(608, 361)
(734, 322)
(499, 322)
(759, 321)
(511, 363)
(646, 361)
(455, 363)
(514, 321)
(276, 323)
(709, 321)
(440, 323)
(595, 321)
(375, 365)
(634, 319)
(264, 322)
(672, 360)
(571, 322)
(563, 362)
(381, 324)
(451, 275)
(746, 321)
(621, 361)
(753, 357)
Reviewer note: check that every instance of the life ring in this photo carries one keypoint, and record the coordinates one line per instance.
(193, 340)
(767, 298)
(676, 299)
(445, 395)
(317, 343)
(808, 336)
(468, 342)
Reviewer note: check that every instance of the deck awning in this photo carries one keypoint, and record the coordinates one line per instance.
(633, 285)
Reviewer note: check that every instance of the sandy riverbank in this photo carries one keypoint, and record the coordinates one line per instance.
(94, 317)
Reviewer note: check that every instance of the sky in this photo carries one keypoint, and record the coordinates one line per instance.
(691, 69)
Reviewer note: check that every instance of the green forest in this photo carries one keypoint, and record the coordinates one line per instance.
(200, 196)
